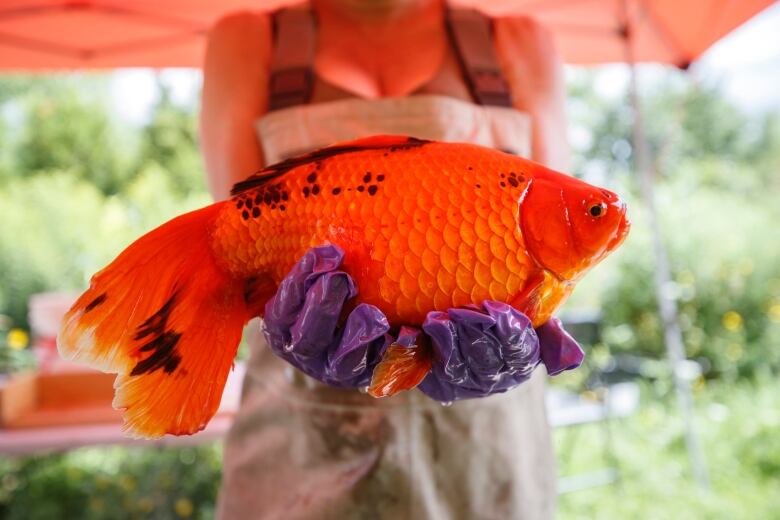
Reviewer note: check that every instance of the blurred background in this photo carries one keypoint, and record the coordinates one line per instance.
(90, 161)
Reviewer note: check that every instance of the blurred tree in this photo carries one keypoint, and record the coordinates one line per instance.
(76, 187)
(170, 141)
(717, 197)
(68, 132)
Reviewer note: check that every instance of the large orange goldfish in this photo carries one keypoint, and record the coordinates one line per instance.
(424, 226)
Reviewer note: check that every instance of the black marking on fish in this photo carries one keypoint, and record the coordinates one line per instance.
(162, 342)
(316, 157)
(164, 354)
(94, 303)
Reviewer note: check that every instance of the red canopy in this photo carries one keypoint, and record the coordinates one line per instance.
(66, 34)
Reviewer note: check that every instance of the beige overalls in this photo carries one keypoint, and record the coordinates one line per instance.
(299, 449)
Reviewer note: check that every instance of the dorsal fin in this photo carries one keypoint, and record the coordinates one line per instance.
(376, 142)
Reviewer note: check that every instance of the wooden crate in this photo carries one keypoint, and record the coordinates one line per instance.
(56, 399)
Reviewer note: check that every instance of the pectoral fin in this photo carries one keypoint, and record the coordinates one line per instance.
(402, 368)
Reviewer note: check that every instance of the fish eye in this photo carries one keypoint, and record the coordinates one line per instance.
(598, 210)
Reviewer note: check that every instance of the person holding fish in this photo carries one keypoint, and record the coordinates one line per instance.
(418, 260)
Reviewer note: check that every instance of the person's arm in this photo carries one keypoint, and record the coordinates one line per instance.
(235, 94)
(534, 70)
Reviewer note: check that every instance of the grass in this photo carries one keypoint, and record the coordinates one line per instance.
(739, 426)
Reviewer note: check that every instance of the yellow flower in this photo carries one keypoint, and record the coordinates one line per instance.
(685, 278)
(732, 321)
(102, 482)
(127, 483)
(699, 384)
(745, 266)
(183, 507)
(97, 505)
(774, 312)
(146, 504)
(734, 351)
(17, 339)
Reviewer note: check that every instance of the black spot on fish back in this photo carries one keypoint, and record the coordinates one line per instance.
(316, 157)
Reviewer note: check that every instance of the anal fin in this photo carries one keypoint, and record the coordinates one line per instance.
(402, 368)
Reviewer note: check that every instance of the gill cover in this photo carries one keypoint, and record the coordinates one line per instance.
(568, 225)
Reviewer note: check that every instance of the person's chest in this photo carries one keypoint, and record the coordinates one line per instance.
(419, 60)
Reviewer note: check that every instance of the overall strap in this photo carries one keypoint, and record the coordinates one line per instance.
(472, 38)
(292, 77)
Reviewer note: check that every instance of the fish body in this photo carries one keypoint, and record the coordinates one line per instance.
(424, 226)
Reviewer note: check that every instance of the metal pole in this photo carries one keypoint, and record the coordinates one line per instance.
(667, 303)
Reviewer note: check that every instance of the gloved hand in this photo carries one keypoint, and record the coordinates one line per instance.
(301, 326)
(301, 319)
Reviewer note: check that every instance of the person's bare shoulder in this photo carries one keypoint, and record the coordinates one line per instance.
(527, 50)
(235, 94)
(523, 29)
(239, 30)
(238, 56)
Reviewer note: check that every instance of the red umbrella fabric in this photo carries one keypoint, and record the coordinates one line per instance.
(68, 34)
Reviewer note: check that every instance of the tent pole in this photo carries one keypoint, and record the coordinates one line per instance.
(666, 301)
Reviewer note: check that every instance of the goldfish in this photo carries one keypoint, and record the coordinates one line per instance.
(424, 226)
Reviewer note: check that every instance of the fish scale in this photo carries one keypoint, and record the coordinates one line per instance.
(438, 231)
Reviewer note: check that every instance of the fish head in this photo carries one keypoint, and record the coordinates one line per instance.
(569, 225)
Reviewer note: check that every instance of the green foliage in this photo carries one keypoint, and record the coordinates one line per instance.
(69, 129)
(717, 202)
(169, 142)
(726, 280)
(738, 424)
(112, 484)
(70, 201)
(738, 427)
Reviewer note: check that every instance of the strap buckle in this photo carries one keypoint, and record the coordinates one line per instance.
(290, 87)
(489, 87)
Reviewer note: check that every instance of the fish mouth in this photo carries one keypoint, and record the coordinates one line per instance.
(622, 231)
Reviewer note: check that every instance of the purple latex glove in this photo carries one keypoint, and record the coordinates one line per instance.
(477, 352)
(560, 352)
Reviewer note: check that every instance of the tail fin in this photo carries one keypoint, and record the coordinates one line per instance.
(167, 320)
